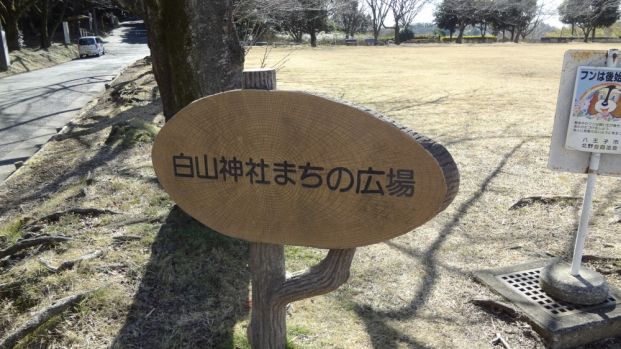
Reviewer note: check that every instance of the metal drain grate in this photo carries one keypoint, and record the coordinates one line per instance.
(562, 325)
(526, 283)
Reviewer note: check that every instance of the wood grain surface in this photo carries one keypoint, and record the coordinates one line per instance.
(299, 169)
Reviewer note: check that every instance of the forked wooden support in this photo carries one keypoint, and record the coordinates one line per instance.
(326, 186)
(271, 290)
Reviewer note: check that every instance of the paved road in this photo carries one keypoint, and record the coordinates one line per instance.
(34, 105)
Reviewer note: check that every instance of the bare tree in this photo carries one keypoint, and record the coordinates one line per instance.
(379, 10)
(295, 17)
(255, 17)
(404, 12)
(350, 17)
(539, 14)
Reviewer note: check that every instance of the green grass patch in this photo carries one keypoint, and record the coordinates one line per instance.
(299, 258)
(240, 339)
(110, 302)
(132, 132)
(41, 337)
(10, 232)
(298, 331)
(60, 199)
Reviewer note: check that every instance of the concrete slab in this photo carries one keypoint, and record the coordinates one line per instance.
(561, 324)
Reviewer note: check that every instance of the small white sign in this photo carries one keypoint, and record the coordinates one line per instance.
(595, 119)
(561, 157)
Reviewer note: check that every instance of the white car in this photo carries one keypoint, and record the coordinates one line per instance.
(91, 46)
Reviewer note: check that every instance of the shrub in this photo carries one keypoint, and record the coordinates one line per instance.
(470, 38)
(405, 35)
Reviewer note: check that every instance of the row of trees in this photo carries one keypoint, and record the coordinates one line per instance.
(518, 17)
(253, 18)
(589, 15)
(522, 17)
(43, 16)
(299, 17)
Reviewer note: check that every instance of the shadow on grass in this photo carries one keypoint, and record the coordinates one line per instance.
(54, 182)
(20, 60)
(382, 335)
(193, 292)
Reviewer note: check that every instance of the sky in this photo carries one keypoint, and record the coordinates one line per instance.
(426, 15)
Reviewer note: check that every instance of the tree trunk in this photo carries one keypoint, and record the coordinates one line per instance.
(376, 33)
(586, 34)
(271, 292)
(460, 36)
(43, 26)
(59, 19)
(194, 48)
(313, 38)
(397, 42)
(593, 34)
(12, 33)
(268, 327)
(95, 24)
(516, 38)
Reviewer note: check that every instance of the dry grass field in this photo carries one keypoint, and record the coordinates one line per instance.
(173, 284)
(493, 108)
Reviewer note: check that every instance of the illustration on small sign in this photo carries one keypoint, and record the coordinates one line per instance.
(595, 120)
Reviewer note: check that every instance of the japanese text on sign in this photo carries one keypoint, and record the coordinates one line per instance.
(368, 181)
(595, 120)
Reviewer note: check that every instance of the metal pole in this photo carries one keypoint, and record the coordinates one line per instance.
(587, 204)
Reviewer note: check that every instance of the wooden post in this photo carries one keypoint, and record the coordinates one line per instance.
(267, 322)
(271, 291)
(259, 79)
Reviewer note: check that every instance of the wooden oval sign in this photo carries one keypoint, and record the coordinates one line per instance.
(297, 169)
